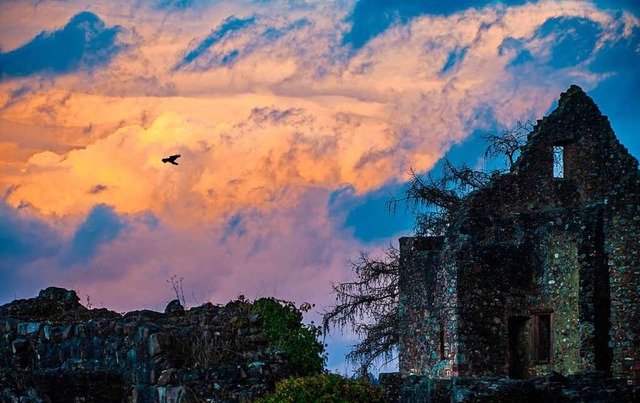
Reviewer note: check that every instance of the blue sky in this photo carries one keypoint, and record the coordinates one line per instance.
(296, 121)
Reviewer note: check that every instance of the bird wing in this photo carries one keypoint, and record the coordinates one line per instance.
(175, 157)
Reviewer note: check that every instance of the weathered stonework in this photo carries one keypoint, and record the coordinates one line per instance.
(540, 272)
(53, 349)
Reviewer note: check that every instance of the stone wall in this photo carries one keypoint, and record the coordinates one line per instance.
(592, 387)
(531, 247)
(623, 249)
(54, 349)
(556, 290)
(420, 319)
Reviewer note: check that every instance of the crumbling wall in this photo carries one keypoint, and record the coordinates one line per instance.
(532, 243)
(447, 303)
(587, 387)
(623, 249)
(419, 319)
(53, 348)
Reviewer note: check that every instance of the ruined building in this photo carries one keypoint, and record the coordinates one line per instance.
(541, 270)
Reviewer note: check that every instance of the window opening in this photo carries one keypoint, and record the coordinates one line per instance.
(542, 338)
(558, 162)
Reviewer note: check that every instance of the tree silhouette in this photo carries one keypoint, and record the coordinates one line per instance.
(369, 304)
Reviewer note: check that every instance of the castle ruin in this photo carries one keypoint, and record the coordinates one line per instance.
(541, 270)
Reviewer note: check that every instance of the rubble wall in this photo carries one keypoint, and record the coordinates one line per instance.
(531, 244)
(419, 318)
(623, 249)
(51, 347)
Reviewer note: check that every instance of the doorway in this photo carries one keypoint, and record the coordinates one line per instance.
(518, 334)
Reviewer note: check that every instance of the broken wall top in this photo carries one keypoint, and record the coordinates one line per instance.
(595, 164)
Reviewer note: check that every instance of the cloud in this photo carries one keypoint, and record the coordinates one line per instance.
(235, 38)
(225, 30)
(101, 226)
(314, 118)
(22, 236)
(85, 42)
(290, 138)
(372, 17)
(97, 189)
(125, 260)
(23, 239)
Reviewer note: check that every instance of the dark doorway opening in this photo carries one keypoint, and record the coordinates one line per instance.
(518, 347)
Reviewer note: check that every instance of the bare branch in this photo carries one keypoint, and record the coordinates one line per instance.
(368, 305)
(507, 145)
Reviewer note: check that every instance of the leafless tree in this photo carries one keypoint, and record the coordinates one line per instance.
(507, 144)
(368, 304)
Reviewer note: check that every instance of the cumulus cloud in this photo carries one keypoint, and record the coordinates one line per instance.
(294, 121)
(372, 17)
(274, 110)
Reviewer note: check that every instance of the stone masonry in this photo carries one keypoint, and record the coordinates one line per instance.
(53, 349)
(540, 272)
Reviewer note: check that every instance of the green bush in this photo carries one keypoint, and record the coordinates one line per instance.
(327, 388)
(283, 325)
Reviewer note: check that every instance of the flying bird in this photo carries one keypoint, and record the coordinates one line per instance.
(172, 159)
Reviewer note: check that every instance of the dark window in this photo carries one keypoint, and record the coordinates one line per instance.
(558, 162)
(542, 338)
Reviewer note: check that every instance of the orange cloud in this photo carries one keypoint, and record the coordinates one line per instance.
(298, 115)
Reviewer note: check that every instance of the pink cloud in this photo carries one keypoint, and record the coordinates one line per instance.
(265, 140)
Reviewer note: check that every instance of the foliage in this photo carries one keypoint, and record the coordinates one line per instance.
(324, 388)
(283, 325)
(280, 321)
(368, 305)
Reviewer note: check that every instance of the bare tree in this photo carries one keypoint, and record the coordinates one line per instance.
(508, 143)
(368, 305)
(435, 200)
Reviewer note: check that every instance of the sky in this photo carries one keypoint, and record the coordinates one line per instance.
(296, 120)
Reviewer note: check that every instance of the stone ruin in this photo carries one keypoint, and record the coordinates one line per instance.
(540, 273)
(53, 349)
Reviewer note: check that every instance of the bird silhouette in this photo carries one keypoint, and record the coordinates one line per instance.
(172, 159)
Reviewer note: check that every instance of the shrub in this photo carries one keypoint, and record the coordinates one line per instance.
(324, 388)
(284, 328)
